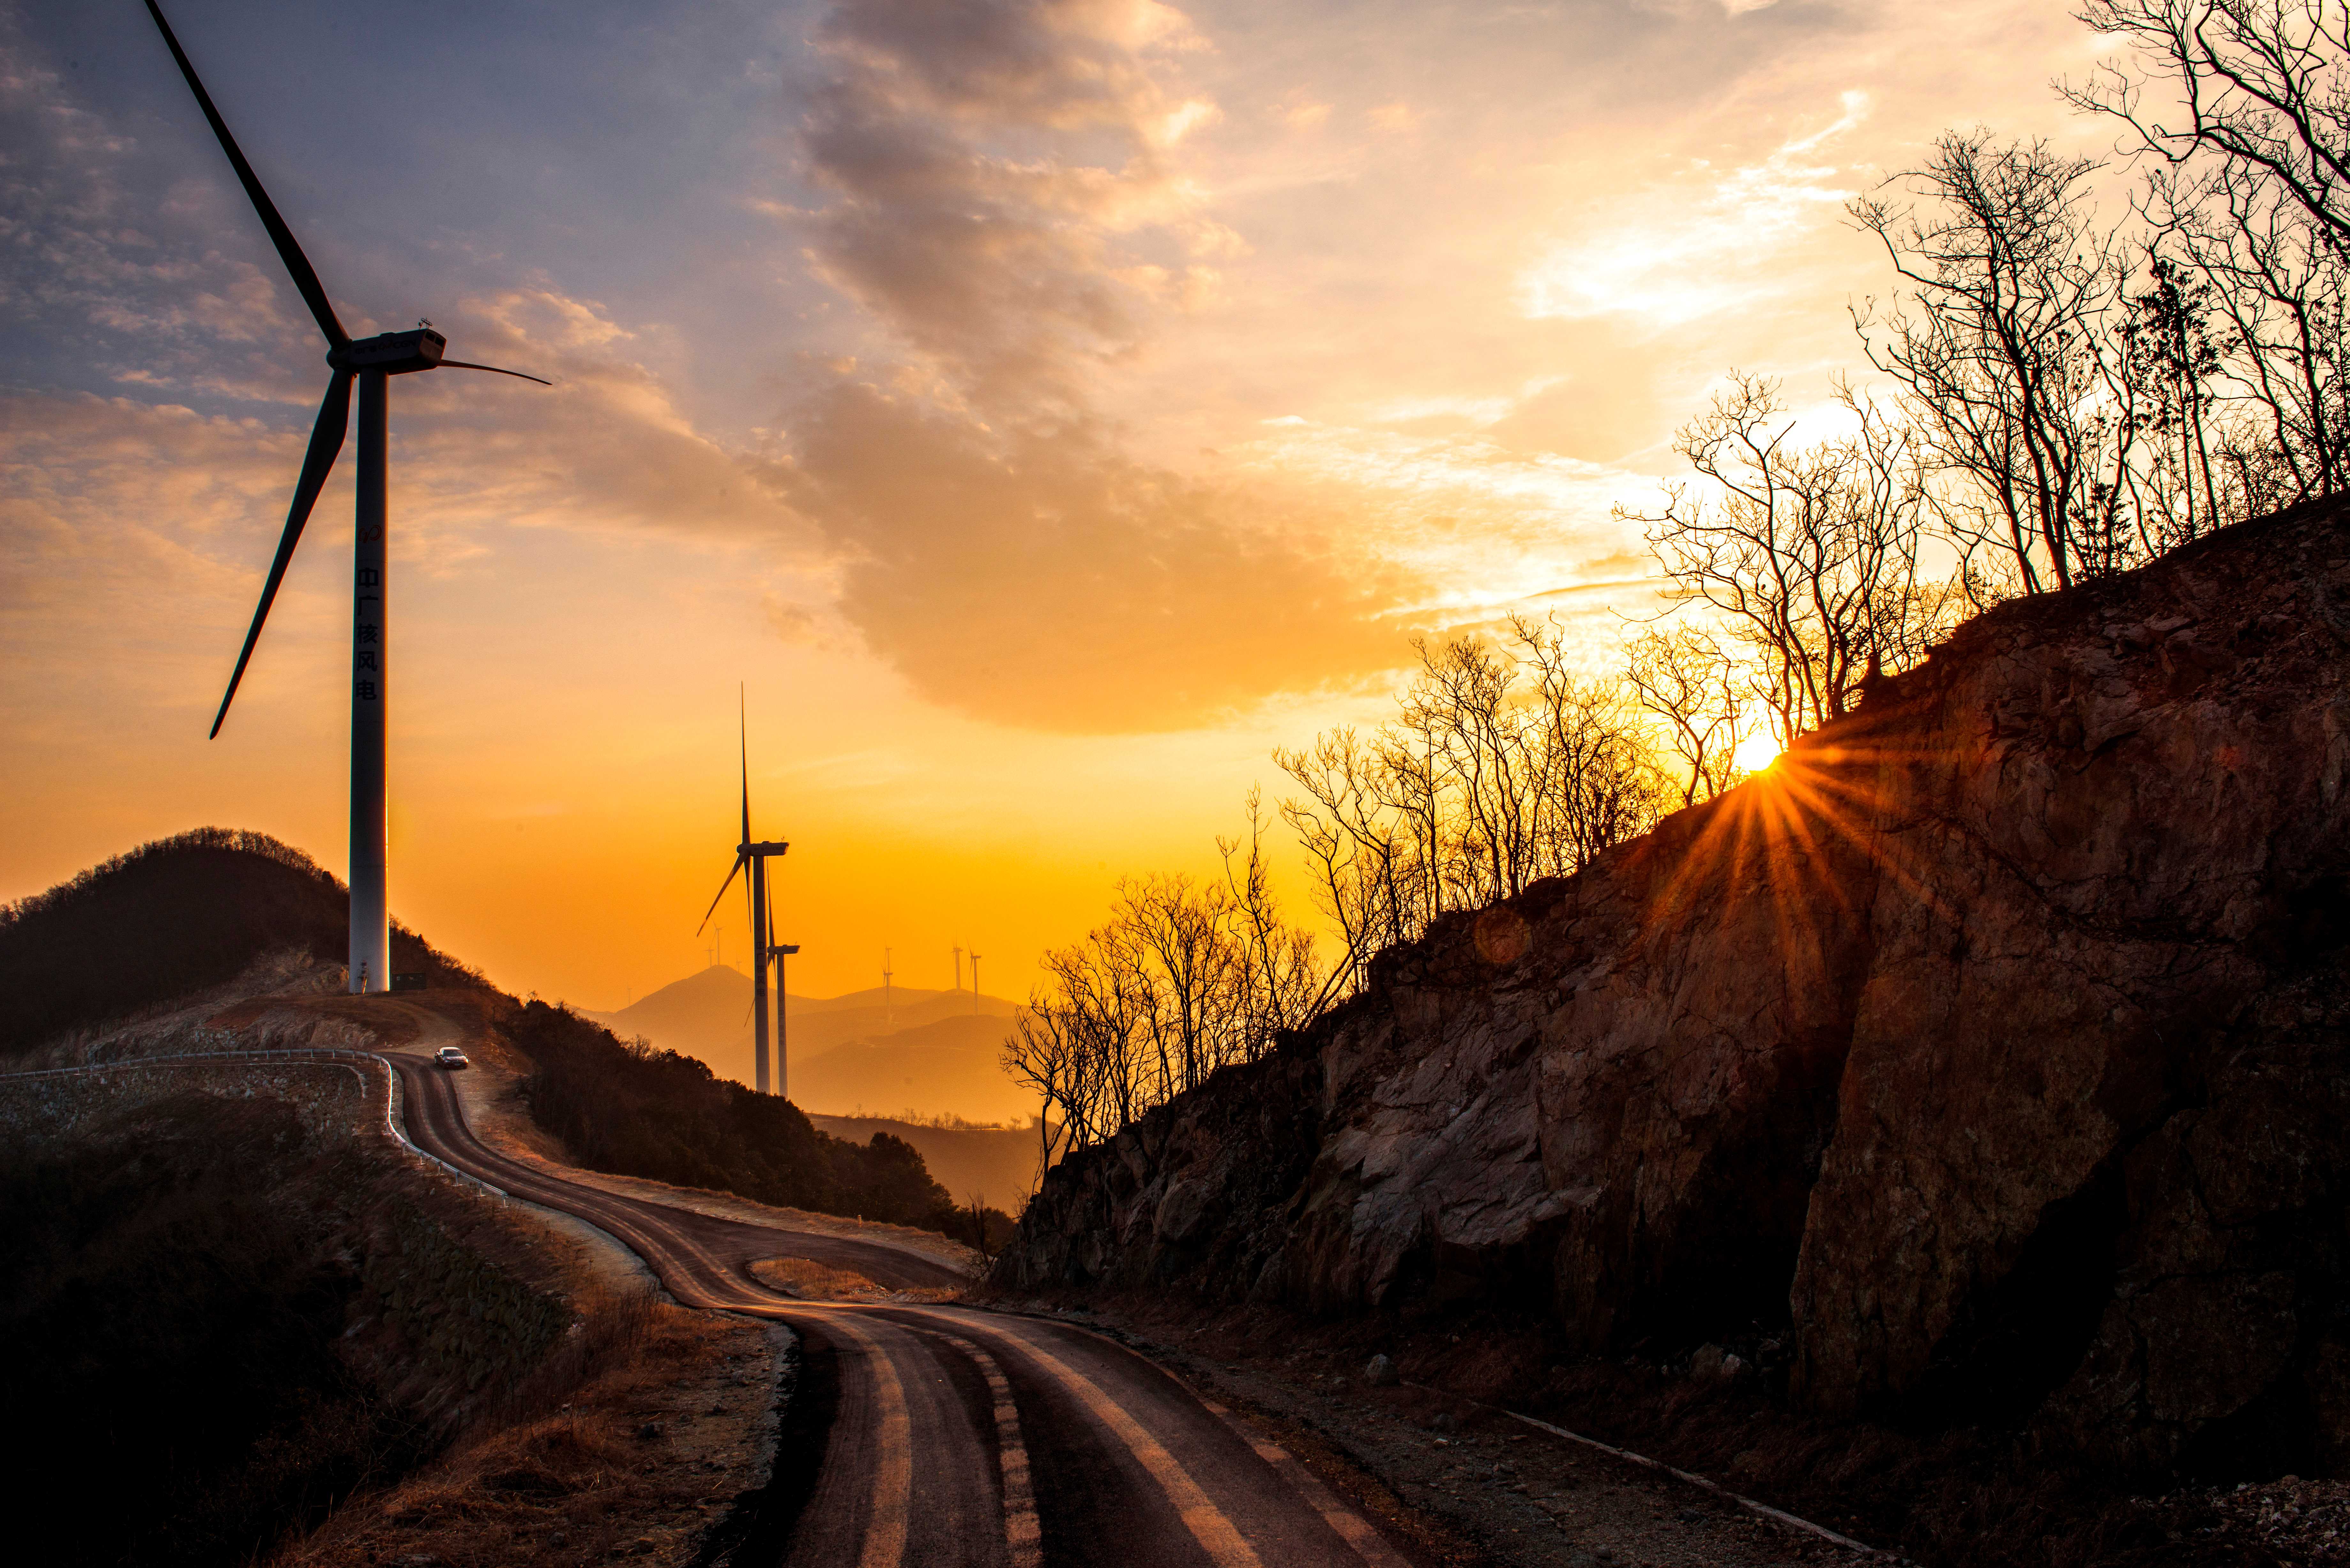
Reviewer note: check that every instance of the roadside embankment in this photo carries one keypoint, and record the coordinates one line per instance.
(291, 1305)
(331, 1343)
(1981, 1067)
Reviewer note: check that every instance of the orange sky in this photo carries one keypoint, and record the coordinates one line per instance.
(1044, 410)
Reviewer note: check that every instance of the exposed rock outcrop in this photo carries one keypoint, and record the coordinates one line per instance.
(1995, 1039)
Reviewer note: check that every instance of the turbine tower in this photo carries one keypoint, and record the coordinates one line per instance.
(752, 855)
(372, 363)
(783, 1008)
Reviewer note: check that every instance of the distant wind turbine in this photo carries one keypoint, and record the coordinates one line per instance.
(781, 950)
(373, 361)
(752, 855)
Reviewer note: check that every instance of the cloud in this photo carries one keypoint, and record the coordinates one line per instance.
(606, 447)
(95, 232)
(1471, 527)
(1697, 246)
(1001, 195)
(1007, 205)
(1050, 581)
(130, 553)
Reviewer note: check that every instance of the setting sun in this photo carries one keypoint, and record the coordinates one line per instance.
(1757, 752)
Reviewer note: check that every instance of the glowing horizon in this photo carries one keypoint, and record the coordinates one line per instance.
(1045, 418)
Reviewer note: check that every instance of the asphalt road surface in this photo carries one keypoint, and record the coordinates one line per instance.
(929, 1435)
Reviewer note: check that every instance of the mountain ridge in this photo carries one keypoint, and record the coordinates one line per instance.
(930, 1052)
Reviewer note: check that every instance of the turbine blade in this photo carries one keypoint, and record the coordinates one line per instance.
(492, 370)
(326, 441)
(305, 279)
(757, 881)
(739, 861)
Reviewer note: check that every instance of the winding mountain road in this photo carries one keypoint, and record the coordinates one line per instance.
(956, 1436)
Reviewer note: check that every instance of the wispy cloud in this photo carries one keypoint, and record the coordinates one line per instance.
(1008, 203)
(1698, 244)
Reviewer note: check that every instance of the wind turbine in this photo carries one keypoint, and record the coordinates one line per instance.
(754, 854)
(372, 363)
(781, 950)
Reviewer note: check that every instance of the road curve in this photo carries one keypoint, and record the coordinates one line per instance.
(960, 1435)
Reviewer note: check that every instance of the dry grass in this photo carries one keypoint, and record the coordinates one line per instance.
(814, 1282)
(666, 1425)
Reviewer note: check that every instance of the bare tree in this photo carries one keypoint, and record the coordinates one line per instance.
(1686, 678)
(2269, 300)
(2260, 85)
(1600, 783)
(1998, 348)
(1368, 825)
(1281, 983)
(1807, 555)
(1501, 767)
(1042, 1053)
(2243, 108)
(1182, 979)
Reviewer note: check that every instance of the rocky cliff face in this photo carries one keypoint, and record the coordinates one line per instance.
(1997, 1041)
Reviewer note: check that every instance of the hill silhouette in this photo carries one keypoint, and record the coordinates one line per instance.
(171, 918)
(995, 1164)
(930, 1053)
(183, 914)
(951, 1066)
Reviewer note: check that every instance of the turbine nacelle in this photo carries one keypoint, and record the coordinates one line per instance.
(399, 353)
(390, 353)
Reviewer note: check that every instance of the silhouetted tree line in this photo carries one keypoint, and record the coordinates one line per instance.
(1184, 978)
(2067, 396)
(2059, 399)
(631, 1109)
(171, 918)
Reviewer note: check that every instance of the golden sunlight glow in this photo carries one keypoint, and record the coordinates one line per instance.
(1756, 752)
(1059, 525)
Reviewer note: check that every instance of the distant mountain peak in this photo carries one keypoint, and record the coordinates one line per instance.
(937, 1051)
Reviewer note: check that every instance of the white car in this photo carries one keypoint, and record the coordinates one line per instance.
(450, 1056)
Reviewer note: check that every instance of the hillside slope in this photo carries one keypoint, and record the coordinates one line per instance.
(291, 1310)
(1989, 1057)
(997, 1164)
(171, 918)
(194, 912)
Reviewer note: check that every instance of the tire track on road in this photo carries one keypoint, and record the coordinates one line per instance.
(1210, 1484)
